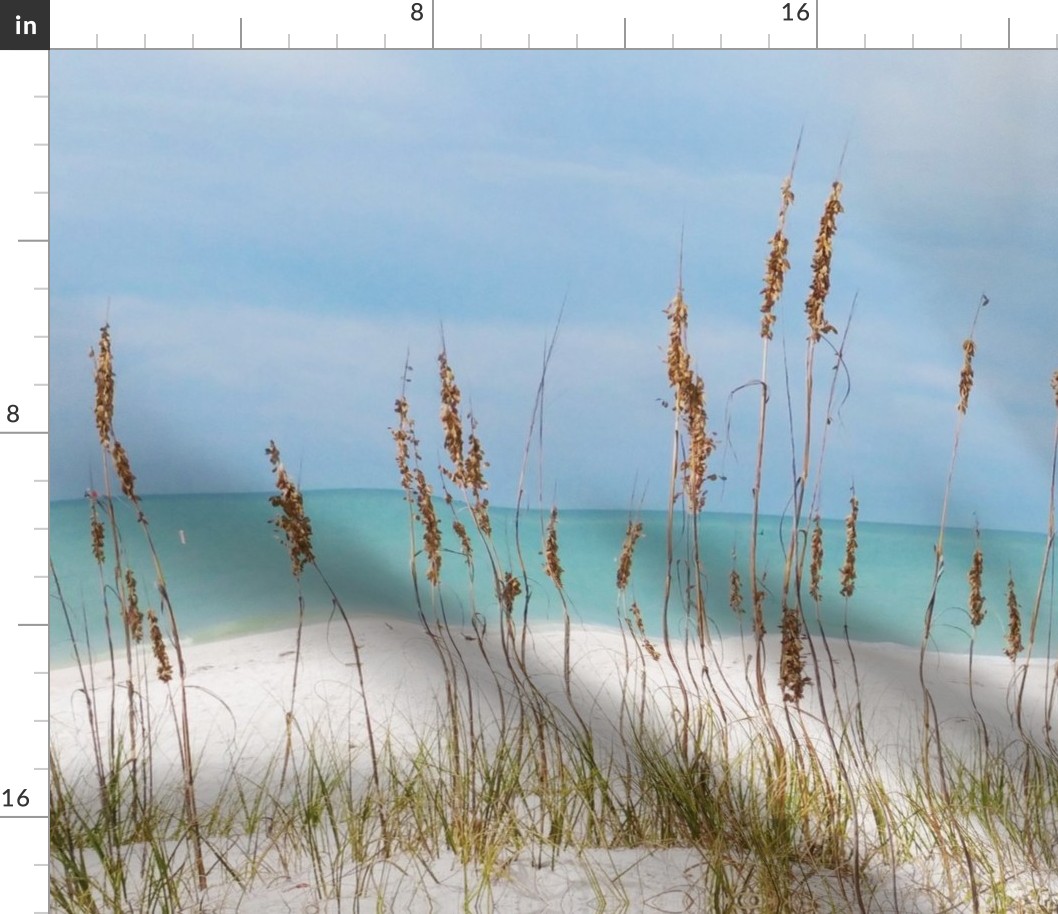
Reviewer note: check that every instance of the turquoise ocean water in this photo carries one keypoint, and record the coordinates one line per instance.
(227, 573)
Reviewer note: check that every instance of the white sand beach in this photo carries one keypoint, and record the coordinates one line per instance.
(239, 693)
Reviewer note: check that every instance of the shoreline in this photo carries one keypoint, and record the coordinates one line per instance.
(251, 675)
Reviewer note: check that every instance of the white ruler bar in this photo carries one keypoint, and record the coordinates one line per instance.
(556, 24)
(24, 248)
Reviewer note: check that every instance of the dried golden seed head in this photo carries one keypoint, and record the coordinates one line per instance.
(624, 565)
(816, 568)
(480, 512)
(848, 568)
(124, 470)
(966, 376)
(977, 600)
(508, 589)
(1014, 645)
(1054, 387)
(817, 296)
(648, 646)
(104, 378)
(293, 522)
(450, 420)
(552, 567)
(791, 662)
(777, 265)
(404, 438)
(464, 539)
(427, 516)
(98, 536)
(735, 592)
(689, 389)
(165, 669)
(475, 462)
(133, 614)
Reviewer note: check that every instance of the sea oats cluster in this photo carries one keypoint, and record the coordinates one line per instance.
(104, 416)
(552, 567)
(1013, 638)
(815, 568)
(848, 567)
(777, 264)
(974, 576)
(791, 661)
(98, 533)
(293, 522)
(624, 564)
(828, 227)
(966, 375)
(467, 470)
(689, 389)
(735, 589)
(132, 612)
(165, 668)
(418, 491)
(648, 645)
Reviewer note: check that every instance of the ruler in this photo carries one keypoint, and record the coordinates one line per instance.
(24, 252)
(556, 24)
(35, 30)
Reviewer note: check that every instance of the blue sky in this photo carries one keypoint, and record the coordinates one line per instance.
(274, 231)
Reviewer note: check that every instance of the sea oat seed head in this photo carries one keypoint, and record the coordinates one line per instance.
(977, 600)
(816, 568)
(817, 296)
(966, 376)
(104, 377)
(124, 471)
(648, 646)
(508, 589)
(165, 669)
(689, 389)
(293, 522)
(791, 662)
(776, 265)
(98, 535)
(1014, 645)
(624, 565)
(451, 421)
(848, 569)
(552, 567)
(133, 614)
(735, 593)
